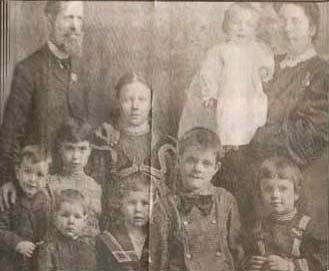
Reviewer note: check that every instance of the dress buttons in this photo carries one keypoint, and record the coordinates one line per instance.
(213, 221)
(218, 254)
(188, 256)
(185, 222)
(74, 77)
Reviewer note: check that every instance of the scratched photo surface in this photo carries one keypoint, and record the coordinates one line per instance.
(165, 136)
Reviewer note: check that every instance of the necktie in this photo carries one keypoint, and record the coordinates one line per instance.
(65, 63)
(202, 202)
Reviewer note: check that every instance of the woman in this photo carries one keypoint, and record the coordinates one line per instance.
(297, 121)
(138, 148)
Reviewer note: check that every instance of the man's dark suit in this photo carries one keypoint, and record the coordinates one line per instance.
(43, 93)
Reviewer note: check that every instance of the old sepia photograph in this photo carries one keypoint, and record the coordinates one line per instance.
(164, 135)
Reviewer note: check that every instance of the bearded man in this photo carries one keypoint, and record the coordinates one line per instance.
(46, 89)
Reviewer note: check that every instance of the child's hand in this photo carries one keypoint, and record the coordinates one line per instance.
(277, 263)
(265, 74)
(7, 195)
(25, 248)
(210, 103)
(256, 263)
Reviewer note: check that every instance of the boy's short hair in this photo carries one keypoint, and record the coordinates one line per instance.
(34, 154)
(74, 130)
(202, 137)
(71, 196)
(135, 182)
(228, 13)
(281, 168)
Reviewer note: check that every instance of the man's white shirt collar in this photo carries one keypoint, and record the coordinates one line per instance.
(54, 49)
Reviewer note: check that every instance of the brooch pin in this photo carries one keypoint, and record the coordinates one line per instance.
(307, 80)
(74, 77)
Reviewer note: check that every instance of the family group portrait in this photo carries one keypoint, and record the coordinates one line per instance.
(164, 136)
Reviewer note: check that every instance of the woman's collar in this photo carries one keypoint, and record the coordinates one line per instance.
(292, 61)
(136, 130)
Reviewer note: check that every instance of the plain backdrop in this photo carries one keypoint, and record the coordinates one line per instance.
(164, 40)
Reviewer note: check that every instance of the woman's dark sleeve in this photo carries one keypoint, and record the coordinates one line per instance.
(306, 129)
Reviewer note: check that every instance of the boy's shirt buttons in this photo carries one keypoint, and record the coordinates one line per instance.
(185, 223)
(188, 256)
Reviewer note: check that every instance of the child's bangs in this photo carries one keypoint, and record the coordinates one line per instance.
(280, 168)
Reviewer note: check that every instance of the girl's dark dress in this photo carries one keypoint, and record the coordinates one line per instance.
(151, 153)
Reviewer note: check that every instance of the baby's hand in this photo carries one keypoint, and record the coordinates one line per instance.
(25, 248)
(256, 263)
(277, 263)
(210, 103)
(265, 74)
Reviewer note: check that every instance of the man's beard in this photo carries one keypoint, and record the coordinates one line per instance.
(72, 45)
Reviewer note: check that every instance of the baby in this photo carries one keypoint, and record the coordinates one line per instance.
(229, 95)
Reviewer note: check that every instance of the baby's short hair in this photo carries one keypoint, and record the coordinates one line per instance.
(74, 130)
(281, 168)
(228, 12)
(71, 196)
(34, 154)
(202, 137)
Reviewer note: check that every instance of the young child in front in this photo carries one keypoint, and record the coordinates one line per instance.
(227, 93)
(123, 245)
(198, 228)
(74, 150)
(285, 239)
(68, 248)
(23, 227)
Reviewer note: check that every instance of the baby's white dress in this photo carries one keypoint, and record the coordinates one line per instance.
(230, 74)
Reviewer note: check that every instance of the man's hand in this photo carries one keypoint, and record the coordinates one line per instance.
(277, 263)
(107, 133)
(256, 263)
(7, 195)
(25, 248)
